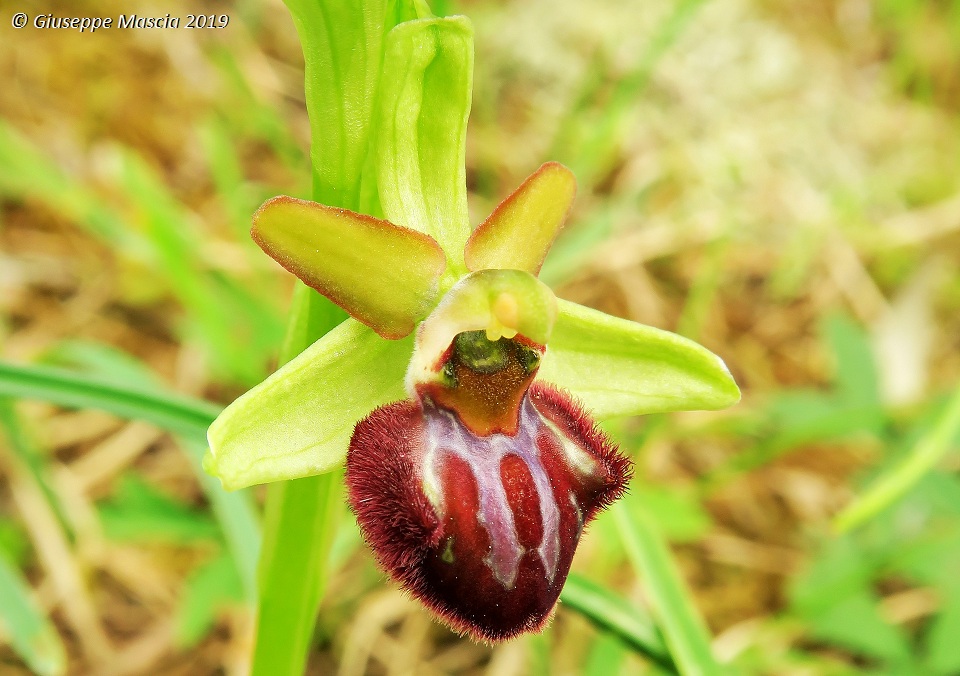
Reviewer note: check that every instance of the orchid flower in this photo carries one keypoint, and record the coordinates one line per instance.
(462, 394)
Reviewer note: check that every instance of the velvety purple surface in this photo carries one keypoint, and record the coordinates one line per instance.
(491, 551)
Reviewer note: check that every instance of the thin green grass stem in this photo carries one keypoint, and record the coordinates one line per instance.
(683, 627)
(894, 484)
(612, 613)
(184, 416)
(30, 633)
(179, 414)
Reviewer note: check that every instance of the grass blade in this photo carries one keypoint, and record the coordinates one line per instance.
(891, 486)
(25, 447)
(609, 612)
(209, 588)
(235, 513)
(30, 633)
(181, 415)
(237, 517)
(684, 629)
(25, 173)
(186, 417)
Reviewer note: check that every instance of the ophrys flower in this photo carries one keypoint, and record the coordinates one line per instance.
(471, 482)
(461, 385)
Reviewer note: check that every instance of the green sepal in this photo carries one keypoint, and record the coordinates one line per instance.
(385, 276)
(420, 140)
(519, 232)
(298, 422)
(617, 367)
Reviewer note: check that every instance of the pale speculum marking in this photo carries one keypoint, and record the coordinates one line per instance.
(444, 433)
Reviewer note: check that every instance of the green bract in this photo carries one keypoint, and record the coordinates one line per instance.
(421, 261)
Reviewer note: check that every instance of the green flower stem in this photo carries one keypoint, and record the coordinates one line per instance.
(298, 530)
(299, 527)
(343, 48)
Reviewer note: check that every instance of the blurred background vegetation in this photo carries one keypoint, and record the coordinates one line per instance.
(779, 181)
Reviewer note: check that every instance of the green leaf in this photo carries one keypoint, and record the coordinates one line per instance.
(21, 441)
(176, 236)
(124, 387)
(420, 139)
(210, 586)
(519, 232)
(839, 570)
(182, 415)
(342, 52)
(384, 275)
(854, 622)
(248, 113)
(795, 418)
(942, 654)
(617, 367)
(857, 382)
(683, 628)
(610, 612)
(605, 657)
(25, 173)
(238, 517)
(139, 512)
(298, 421)
(678, 513)
(221, 152)
(30, 634)
(14, 542)
(834, 595)
(101, 360)
(539, 647)
(894, 483)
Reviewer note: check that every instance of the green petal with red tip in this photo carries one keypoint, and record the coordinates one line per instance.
(420, 143)
(519, 232)
(384, 275)
(298, 421)
(617, 367)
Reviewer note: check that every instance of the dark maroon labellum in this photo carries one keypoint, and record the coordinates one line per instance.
(482, 527)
